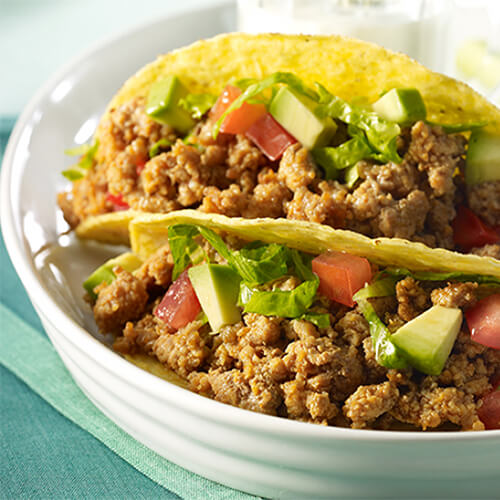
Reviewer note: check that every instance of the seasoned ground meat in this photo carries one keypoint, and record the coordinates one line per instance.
(431, 406)
(183, 351)
(455, 295)
(368, 402)
(484, 200)
(405, 218)
(415, 199)
(412, 299)
(327, 206)
(123, 300)
(139, 336)
(292, 368)
(177, 175)
(297, 168)
(307, 405)
(492, 250)
(437, 154)
(157, 270)
(244, 162)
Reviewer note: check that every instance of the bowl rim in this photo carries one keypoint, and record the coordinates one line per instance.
(139, 378)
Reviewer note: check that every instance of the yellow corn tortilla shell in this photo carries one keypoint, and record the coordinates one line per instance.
(107, 228)
(148, 232)
(345, 66)
(152, 365)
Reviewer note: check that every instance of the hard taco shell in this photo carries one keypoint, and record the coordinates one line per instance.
(345, 66)
(148, 232)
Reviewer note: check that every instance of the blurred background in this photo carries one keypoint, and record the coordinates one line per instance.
(458, 37)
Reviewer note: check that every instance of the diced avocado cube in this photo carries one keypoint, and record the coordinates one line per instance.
(217, 288)
(483, 158)
(296, 115)
(351, 175)
(163, 104)
(401, 106)
(426, 341)
(127, 261)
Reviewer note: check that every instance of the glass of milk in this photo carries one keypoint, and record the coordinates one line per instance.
(415, 27)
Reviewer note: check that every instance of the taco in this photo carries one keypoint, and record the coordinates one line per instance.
(302, 321)
(324, 129)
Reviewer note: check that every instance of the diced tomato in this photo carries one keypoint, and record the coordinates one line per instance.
(239, 120)
(270, 137)
(179, 306)
(117, 201)
(139, 166)
(341, 275)
(229, 94)
(483, 321)
(470, 231)
(489, 413)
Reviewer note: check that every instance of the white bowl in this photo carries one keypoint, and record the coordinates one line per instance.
(256, 453)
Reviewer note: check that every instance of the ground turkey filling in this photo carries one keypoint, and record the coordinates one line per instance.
(415, 200)
(292, 369)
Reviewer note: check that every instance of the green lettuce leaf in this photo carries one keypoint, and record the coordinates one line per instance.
(386, 352)
(346, 155)
(460, 127)
(197, 104)
(260, 263)
(321, 320)
(381, 134)
(301, 265)
(383, 287)
(256, 263)
(216, 241)
(183, 247)
(87, 153)
(434, 276)
(351, 175)
(286, 304)
(156, 148)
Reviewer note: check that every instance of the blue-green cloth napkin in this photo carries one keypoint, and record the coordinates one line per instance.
(54, 443)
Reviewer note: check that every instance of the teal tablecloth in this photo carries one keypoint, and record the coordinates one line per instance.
(45, 455)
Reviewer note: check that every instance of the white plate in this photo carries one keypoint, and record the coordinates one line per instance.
(256, 453)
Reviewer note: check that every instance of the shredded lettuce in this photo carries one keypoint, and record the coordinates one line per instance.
(256, 263)
(346, 155)
(434, 276)
(460, 127)
(261, 263)
(386, 352)
(351, 175)
(286, 304)
(290, 303)
(80, 150)
(183, 247)
(87, 153)
(383, 287)
(301, 265)
(158, 146)
(321, 320)
(381, 134)
(197, 104)
(255, 88)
